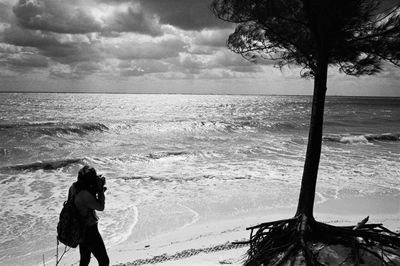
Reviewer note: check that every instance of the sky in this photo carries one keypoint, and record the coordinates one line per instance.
(144, 46)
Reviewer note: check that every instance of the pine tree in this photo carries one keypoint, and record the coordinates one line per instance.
(355, 36)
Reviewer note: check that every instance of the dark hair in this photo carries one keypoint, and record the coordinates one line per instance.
(87, 179)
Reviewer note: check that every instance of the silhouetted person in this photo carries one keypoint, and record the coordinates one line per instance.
(89, 196)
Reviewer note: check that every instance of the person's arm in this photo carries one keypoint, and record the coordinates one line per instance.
(71, 191)
(91, 202)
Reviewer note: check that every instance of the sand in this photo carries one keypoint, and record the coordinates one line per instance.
(210, 242)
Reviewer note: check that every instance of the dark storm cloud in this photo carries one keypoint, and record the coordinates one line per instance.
(185, 14)
(74, 52)
(55, 16)
(20, 37)
(134, 20)
(52, 46)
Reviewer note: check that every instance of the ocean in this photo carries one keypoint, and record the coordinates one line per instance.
(174, 160)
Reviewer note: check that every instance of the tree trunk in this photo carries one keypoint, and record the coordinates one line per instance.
(310, 172)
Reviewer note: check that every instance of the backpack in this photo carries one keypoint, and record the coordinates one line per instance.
(70, 226)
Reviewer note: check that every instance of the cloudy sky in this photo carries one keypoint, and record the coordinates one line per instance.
(143, 46)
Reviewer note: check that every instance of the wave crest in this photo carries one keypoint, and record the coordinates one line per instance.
(44, 165)
(367, 138)
(159, 155)
(54, 128)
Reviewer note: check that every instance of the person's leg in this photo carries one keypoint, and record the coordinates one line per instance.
(98, 248)
(84, 251)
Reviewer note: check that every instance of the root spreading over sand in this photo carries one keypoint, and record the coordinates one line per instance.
(299, 241)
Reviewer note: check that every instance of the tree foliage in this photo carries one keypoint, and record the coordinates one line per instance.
(355, 35)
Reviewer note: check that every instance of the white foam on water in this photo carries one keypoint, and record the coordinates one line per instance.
(121, 213)
(195, 217)
(29, 209)
(117, 226)
(354, 139)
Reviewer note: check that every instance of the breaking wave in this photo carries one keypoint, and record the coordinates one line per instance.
(197, 178)
(44, 165)
(54, 128)
(159, 155)
(367, 138)
(205, 127)
(262, 125)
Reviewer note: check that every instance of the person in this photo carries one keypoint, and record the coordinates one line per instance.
(89, 197)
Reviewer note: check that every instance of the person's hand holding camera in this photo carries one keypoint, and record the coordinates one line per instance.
(101, 181)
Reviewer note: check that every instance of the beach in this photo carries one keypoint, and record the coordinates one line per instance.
(211, 243)
(188, 173)
(168, 129)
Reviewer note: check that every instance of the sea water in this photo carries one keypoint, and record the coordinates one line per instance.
(174, 160)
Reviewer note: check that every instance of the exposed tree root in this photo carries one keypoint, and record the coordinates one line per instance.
(304, 241)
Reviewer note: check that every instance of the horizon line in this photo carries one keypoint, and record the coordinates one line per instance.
(183, 93)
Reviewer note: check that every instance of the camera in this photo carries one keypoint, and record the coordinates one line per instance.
(101, 181)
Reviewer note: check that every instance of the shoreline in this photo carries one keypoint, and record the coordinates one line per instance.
(210, 242)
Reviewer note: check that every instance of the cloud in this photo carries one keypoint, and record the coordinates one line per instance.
(77, 38)
(226, 58)
(143, 67)
(220, 64)
(134, 20)
(58, 47)
(217, 74)
(192, 63)
(6, 14)
(157, 49)
(21, 60)
(64, 71)
(213, 38)
(80, 17)
(55, 16)
(74, 52)
(26, 38)
(8, 49)
(27, 61)
(75, 71)
(219, 59)
(132, 72)
(185, 14)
